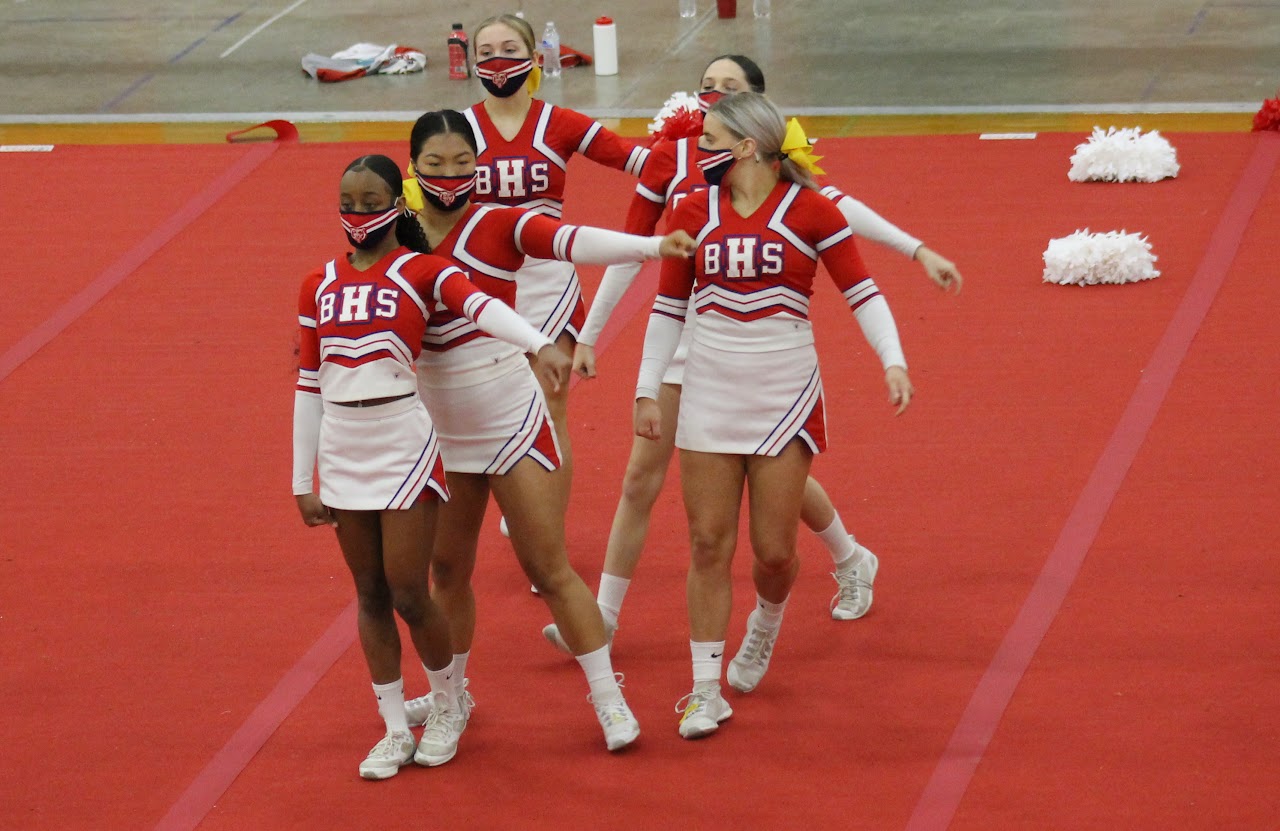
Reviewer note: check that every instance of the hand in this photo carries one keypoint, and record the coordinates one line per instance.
(584, 360)
(939, 269)
(314, 512)
(678, 243)
(648, 419)
(553, 366)
(900, 389)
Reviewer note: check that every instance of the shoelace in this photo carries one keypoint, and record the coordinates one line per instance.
(441, 725)
(694, 702)
(759, 645)
(851, 587)
(390, 746)
(615, 711)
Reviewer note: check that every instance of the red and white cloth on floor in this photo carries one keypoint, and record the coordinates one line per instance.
(364, 59)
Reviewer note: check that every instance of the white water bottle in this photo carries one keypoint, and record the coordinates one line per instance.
(688, 8)
(550, 51)
(761, 8)
(605, 39)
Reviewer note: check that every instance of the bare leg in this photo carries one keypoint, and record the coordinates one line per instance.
(712, 485)
(777, 487)
(360, 537)
(537, 534)
(558, 406)
(454, 560)
(817, 510)
(406, 560)
(641, 484)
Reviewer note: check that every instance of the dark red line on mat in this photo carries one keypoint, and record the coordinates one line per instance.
(941, 797)
(113, 275)
(212, 782)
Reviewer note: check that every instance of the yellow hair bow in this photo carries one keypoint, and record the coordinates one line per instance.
(797, 148)
(413, 192)
(535, 78)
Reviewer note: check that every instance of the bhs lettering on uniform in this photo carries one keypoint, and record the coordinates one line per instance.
(512, 177)
(679, 197)
(354, 306)
(742, 258)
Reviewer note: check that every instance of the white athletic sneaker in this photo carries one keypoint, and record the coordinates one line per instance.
(702, 711)
(748, 667)
(619, 725)
(552, 633)
(853, 595)
(444, 727)
(417, 709)
(502, 527)
(388, 755)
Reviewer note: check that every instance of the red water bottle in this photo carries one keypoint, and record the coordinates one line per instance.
(459, 57)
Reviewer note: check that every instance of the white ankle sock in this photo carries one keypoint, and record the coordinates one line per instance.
(391, 705)
(708, 661)
(441, 680)
(613, 590)
(770, 613)
(599, 671)
(839, 542)
(459, 667)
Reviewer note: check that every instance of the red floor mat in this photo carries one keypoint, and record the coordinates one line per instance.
(156, 583)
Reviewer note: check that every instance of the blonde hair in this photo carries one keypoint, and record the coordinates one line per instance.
(752, 115)
(525, 31)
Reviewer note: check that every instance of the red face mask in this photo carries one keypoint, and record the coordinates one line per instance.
(448, 193)
(365, 229)
(708, 97)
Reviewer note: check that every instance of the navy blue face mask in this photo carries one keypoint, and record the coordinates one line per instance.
(714, 164)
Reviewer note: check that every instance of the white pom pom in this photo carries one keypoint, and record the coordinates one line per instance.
(1087, 259)
(678, 101)
(1123, 155)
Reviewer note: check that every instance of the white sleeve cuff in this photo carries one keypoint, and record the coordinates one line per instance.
(499, 320)
(881, 332)
(604, 247)
(308, 409)
(660, 342)
(617, 279)
(870, 225)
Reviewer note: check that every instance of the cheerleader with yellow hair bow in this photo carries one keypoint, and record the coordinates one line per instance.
(751, 402)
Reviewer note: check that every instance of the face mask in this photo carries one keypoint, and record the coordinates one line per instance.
(714, 164)
(446, 193)
(365, 229)
(708, 97)
(503, 77)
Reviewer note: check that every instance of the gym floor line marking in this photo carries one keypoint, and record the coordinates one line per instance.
(242, 41)
(959, 761)
(35, 340)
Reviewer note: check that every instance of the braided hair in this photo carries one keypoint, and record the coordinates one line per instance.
(408, 232)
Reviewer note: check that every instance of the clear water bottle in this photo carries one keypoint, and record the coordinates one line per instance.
(761, 8)
(549, 48)
(688, 8)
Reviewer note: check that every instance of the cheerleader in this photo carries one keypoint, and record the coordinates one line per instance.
(523, 147)
(751, 403)
(670, 174)
(358, 419)
(495, 429)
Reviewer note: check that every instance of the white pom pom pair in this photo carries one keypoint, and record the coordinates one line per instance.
(1123, 155)
(1086, 259)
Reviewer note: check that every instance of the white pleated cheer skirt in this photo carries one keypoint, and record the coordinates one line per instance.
(549, 296)
(488, 427)
(378, 458)
(751, 403)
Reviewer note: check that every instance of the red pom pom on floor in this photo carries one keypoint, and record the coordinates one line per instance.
(1268, 118)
